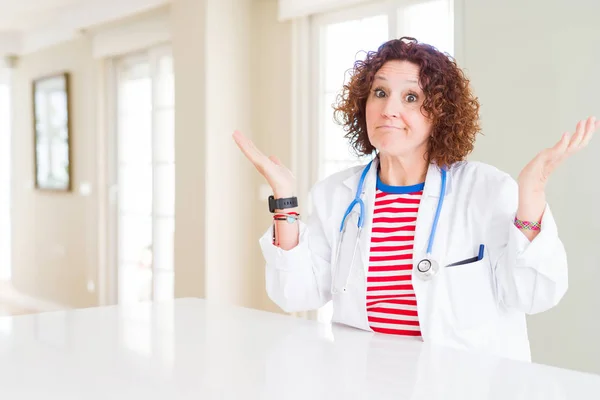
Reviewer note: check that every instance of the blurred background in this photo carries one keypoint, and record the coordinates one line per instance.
(120, 183)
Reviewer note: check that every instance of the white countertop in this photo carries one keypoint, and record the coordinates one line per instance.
(192, 349)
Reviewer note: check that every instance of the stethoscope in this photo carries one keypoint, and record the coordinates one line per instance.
(426, 268)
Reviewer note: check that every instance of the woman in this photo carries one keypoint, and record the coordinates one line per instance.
(445, 250)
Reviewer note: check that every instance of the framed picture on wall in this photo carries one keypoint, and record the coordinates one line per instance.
(52, 132)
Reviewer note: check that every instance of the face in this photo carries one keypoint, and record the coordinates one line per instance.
(395, 124)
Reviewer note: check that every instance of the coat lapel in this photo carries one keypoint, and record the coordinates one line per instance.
(427, 209)
(368, 197)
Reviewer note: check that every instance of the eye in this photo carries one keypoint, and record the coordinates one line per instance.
(411, 98)
(379, 93)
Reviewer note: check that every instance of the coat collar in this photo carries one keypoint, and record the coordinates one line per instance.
(433, 179)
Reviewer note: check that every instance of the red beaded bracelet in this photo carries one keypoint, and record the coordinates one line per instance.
(528, 225)
(290, 217)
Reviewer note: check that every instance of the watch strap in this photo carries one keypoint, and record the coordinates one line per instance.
(282, 204)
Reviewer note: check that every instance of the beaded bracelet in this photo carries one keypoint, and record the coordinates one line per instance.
(289, 217)
(528, 225)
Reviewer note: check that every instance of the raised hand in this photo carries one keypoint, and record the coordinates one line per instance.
(534, 176)
(281, 179)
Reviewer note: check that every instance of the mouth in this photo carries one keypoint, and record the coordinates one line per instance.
(390, 127)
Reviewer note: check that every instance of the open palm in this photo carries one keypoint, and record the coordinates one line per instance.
(280, 178)
(536, 173)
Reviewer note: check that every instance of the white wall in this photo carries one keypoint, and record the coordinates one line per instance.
(229, 185)
(188, 24)
(230, 73)
(271, 117)
(536, 68)
(54, 235)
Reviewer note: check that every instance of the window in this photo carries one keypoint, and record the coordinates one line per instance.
(145, 176)
(341, 43)
(430, 22)
(344, 37)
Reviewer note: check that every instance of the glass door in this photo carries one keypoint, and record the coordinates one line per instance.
(145, 176)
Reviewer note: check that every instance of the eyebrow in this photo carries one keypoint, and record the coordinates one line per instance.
(383, 78)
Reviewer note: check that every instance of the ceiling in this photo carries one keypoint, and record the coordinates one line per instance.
(29, 25)
(25, 14)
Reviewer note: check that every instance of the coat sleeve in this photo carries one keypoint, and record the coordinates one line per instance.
(300, 279)
(529, 276)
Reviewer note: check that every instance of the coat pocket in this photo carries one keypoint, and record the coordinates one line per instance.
(471, 293)
(470, 260)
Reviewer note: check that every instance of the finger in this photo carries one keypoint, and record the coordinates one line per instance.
(578, 136)
(592, 126)
(275, 160)
(249, 149)
(560, 148)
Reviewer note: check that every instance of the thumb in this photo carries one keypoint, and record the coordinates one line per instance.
(275, 160)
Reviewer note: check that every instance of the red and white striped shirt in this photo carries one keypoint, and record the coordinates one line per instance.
(391, 301)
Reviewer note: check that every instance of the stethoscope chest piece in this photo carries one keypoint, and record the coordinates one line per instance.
(427, 268)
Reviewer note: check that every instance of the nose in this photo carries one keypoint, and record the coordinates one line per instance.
(392, 108)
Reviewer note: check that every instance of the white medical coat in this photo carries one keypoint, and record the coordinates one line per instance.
(478, 306)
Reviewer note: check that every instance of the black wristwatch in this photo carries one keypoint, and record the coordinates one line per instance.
(281, 204)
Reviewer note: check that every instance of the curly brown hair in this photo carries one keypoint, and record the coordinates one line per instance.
(449, 102)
